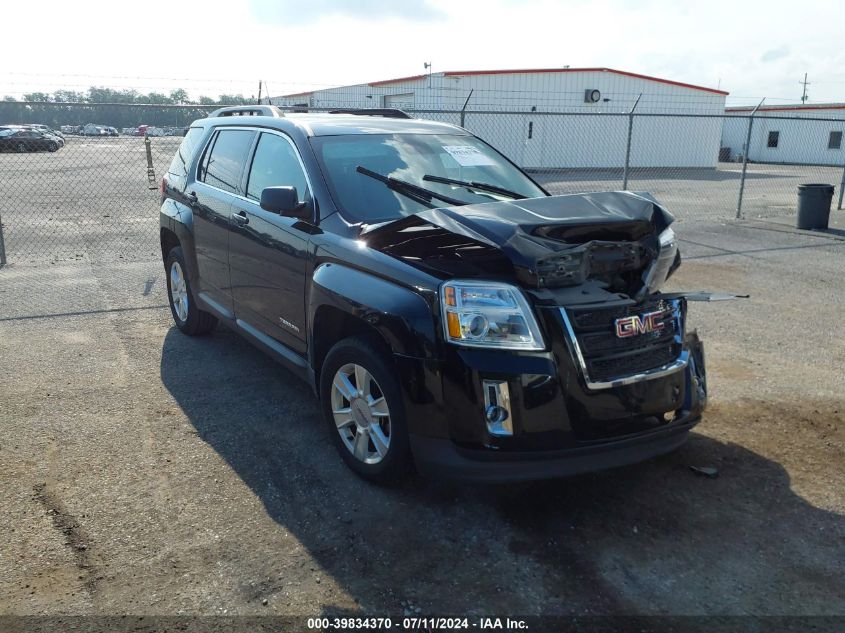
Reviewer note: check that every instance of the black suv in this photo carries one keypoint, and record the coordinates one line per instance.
(447, 311)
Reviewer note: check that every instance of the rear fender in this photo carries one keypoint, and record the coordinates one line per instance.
(179, 219)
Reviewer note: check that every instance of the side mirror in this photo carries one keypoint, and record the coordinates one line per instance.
(284, 201)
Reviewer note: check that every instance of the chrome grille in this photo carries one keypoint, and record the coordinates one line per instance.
(607, 360)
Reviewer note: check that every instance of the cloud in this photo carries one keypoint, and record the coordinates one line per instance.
(285, 12)
(774, 54)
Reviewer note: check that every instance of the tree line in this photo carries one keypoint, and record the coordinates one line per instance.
(107, 106)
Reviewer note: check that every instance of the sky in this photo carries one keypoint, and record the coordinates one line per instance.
(749, 48)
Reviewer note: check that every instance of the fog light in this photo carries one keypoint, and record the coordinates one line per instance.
(496, 414)
(497, 405)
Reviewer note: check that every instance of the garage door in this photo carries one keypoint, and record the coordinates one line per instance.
(403, 101)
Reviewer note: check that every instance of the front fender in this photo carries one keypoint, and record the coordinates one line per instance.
(403, 317)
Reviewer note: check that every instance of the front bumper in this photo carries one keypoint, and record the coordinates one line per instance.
(443, 459)
(560, 423)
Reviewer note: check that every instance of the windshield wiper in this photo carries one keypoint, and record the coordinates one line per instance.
(410, 190)
(481, 186)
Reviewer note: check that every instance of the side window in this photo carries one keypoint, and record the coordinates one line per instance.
(834, 141)
(177, 173)
(774, 138)
(222, 166)
(275, 164)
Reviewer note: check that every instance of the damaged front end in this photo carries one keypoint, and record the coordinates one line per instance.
(620, 241)
(610, 355)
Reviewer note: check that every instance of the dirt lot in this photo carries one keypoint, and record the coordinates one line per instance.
(145, 472)
(148, 473)
(91, 196)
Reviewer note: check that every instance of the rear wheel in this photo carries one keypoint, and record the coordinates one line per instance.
(187, 315)
(21, 147)
(362, 405)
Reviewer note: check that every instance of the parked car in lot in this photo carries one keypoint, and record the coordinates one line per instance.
(46, 130)
(446, 310)
(24, 139)
(92, 129)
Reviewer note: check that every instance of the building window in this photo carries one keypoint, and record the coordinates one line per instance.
(774, 137)
(835, 140)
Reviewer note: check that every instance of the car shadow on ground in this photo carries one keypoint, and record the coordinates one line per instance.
(648, 538)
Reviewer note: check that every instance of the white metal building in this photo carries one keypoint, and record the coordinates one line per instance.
(796, 134)
(554, 118)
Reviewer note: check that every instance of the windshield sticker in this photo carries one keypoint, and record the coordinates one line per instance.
(468, 156)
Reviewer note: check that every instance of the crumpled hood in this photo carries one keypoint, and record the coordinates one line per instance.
(554, 240)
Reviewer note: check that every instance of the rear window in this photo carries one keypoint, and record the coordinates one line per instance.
(177, 173)
(223, 164)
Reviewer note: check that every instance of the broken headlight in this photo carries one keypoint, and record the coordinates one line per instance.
(488, 314)
(661, 267)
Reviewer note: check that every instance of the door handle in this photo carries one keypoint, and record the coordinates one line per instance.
(240, 218)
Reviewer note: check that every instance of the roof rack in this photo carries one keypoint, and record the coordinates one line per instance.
(249, 110)
(390, 113)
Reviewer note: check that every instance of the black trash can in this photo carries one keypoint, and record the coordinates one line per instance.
(814, 206)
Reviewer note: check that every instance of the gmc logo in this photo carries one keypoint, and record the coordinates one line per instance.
(635, 325)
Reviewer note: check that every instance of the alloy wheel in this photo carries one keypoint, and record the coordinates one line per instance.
(360, 413)
(178, 291)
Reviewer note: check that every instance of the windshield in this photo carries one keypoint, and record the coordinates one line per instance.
(410, 158)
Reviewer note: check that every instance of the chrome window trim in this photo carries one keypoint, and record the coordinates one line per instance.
(658, 372)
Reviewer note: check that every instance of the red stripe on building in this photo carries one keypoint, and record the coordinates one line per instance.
(840, 106)
(396, 81)
(530, 71)
(584, 70)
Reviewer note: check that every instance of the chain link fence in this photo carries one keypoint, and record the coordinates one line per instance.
(93, 202)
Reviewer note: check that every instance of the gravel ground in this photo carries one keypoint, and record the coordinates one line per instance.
(90, 197)
(145, 472)
(705, 194)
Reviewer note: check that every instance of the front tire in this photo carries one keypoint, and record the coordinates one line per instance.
(362, 404)
(53, 147)
(188, 317)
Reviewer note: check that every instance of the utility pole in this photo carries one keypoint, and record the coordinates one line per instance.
(427, 65)
(259, 92)
(805, 83)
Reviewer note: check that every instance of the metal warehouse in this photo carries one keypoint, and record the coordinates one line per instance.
(555, 118)
(797, 134)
